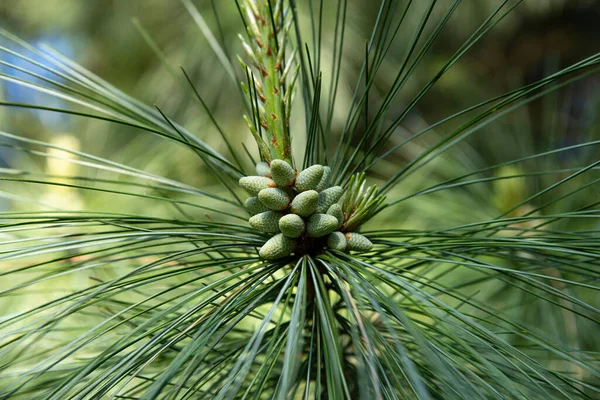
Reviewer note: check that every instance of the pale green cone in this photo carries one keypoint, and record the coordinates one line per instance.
(305, 203)
(282, 173)
(276, 247)
(254, 205)
(358, 242)
(320, 225)
(267, 221)
(291, 225)
(324, 182)
(254, 184)
(274, 198)
(337, 241)
(309, 178)
(262, 169)
(336, 211)
(328, 197)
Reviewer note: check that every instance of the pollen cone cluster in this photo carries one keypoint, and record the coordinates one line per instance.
(297, 208)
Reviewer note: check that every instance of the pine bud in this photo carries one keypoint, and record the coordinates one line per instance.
(320, 225)
(276, 247)
(291, 225)
(327, 197)
(254, 184)
(254, 205)
(262, 169)
(305, 203)
(358, 242)
(336, 211)
(337, 241)
(267, 221)
(274, 198)
(309, 178)
(324, 182)
(282, 173)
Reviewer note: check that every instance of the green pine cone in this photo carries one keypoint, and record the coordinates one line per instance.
(254, 184)
(282, 173)
(291, 225)
(337, 241)
(309, 178)
(305, 203)
(254, 205)
(262, 169)
(328, 197)
(274, 198)
(276, 247)
(358, 242)
(320, 225)
(324, 182)
(336, 211)
(267, 221)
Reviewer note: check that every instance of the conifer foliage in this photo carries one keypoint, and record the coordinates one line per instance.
(308, 265)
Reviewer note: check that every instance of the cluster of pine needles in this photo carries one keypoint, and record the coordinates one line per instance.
(158, 289)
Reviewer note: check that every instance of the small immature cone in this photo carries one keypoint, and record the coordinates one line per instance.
(276, 247)
(305, 203)
(254, 184)
(254, 205)
(324, 182)
(291, 225)
(262, 169)
(282, 173)
(267, 221)
(337, 241)
(309, 178)
(320, 225)
(274, 198)
(358, 242)
(327, 197)
(336, 211)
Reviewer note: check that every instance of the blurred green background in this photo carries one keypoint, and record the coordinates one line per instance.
(539, 37)
(107, 37)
